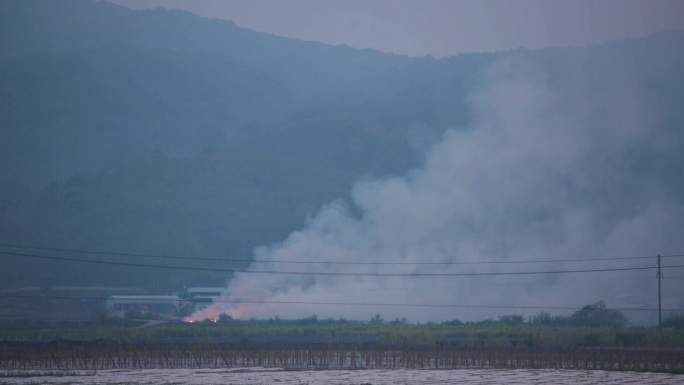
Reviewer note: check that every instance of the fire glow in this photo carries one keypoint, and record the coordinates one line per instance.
(212, 320)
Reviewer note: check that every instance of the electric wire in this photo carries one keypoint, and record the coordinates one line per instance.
(323, 273)
(478, 285)
(375, 304)
(159, 256)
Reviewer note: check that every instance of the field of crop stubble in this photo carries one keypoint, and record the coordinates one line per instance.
(340, 377)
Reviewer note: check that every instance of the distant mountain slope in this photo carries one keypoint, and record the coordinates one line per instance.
(39, 27)
(35, 27)
(117, 84)
(72, 112)
(162, 132)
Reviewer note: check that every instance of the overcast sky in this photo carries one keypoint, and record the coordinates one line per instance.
(442, 27)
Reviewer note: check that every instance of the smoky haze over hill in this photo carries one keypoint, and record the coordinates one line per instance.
(538, 175)
(160, 132)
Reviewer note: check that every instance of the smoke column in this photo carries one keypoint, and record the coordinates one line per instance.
(548, 169)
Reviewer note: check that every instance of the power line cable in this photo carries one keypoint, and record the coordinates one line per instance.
(276, 272)
(376, 304)
(328, 262)
(581, 281)
(478, 285)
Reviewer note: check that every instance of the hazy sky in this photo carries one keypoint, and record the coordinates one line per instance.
(442, 27)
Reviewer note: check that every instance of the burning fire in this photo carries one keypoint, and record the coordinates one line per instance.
(212, 320)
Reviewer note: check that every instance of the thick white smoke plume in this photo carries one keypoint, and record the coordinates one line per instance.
(547, 170)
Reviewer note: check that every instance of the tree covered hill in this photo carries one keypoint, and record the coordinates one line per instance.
(165, 133)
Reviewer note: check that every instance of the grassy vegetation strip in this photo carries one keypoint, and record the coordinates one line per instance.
(335, 333)
(45, 373)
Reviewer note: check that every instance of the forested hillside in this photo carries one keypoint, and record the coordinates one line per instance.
(160, 132)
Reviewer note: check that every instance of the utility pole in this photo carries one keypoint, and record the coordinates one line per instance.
(660, 308)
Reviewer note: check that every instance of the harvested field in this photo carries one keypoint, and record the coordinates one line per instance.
(102, 355)
(345, 377)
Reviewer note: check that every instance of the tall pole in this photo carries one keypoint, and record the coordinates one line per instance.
(660, 308)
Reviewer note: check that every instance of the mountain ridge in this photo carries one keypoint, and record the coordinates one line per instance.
(148, 142)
